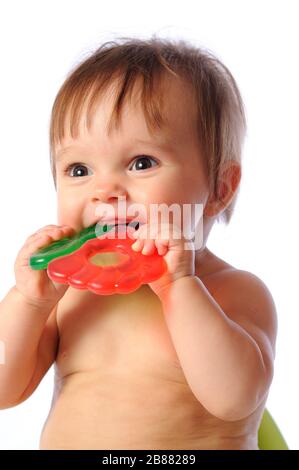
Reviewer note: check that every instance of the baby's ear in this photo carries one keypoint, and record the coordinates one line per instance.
(228, 183)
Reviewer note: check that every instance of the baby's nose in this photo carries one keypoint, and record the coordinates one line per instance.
(108, 193)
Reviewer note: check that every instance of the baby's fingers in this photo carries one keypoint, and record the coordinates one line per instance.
(37, 241)
(138, 245)
(149, 247)
(51, 226)
(48, 227)
(54, 231)
(31, 247)
(162, 246)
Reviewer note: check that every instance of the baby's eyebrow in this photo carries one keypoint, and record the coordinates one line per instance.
(62, 152)
(165, 145)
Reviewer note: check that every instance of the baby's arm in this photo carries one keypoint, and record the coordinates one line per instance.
(29, 335)
(226, 351)
(28, 328)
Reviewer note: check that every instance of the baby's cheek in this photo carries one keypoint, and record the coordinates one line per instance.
(68, 216)
(63, 216)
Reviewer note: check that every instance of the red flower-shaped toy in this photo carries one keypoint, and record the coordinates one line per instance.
(77, 270)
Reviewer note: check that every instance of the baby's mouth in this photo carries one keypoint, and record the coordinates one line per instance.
(134, 225)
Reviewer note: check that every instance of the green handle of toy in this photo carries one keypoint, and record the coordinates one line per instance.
(65, 246)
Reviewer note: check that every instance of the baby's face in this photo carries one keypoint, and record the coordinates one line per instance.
(97, 169)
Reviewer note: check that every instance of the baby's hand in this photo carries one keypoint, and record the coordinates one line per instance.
(35, 285)
(169, 242)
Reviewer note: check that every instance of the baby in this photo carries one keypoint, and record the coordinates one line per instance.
(186, 361)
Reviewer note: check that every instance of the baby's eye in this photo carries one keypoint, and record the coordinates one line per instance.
(143, 161)
(79, 170)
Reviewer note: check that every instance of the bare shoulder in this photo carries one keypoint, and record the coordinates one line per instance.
(245, 297)
(246, 300)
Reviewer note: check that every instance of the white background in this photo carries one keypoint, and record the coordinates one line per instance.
(258, 41)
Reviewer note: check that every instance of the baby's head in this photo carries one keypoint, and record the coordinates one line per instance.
(169, 105)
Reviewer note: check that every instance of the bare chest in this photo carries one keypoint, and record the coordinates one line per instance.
(113, 332)
(116, 363)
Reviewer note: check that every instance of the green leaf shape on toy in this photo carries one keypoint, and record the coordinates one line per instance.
(65, 246)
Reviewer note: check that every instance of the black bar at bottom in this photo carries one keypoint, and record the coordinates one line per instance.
(135, 458)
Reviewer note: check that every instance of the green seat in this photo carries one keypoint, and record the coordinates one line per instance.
(269, 435)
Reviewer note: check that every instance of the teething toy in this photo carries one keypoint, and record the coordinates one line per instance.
(66, 245)
(69, 261)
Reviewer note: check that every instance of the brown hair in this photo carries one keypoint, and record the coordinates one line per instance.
(221, 121)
